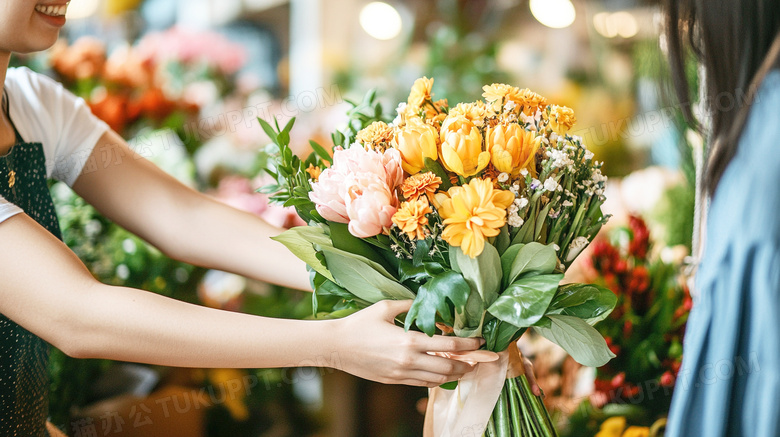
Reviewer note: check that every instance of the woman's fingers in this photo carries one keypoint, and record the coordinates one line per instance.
(531, 376)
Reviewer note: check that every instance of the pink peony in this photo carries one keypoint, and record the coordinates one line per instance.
(360, 189)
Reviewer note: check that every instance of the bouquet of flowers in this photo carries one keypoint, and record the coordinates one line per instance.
(474, 212)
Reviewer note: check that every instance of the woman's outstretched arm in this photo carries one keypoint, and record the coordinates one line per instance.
(47, 290)
(183, 223)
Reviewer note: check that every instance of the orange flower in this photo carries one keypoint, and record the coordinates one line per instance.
(529, 100)
(410, 217)
(472, 213)
(314, 172)
(420, 184)
(375, 136)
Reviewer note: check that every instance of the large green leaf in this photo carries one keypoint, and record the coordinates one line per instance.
(344, 240)
(482, 273)
(300, 241)
(469, 322)
(526, 300)
(589, 302)
(444, 294)
(364, 278)
(576, 337)
(531, 258)
(498, 334)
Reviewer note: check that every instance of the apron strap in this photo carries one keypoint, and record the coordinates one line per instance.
(7, 110)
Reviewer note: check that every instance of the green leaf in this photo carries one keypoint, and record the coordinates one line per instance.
(444, 294)
(364, 278)
(498, 334)
(469, 322)
(420, 251)
(526, 300)
(531, 258)
(344, 240)
(502, 240)
(268, 129)
(288, 127)
(482, 273)
(320, 151)
(589, 302)
(300, 240)
(435, 167)
(576, 337)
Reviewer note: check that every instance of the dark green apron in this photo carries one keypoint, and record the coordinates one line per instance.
(24, 376)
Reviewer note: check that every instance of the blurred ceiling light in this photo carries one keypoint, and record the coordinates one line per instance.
(554, 13)
(610, 25)
(82, 9)
(381, 20)
(627, 26)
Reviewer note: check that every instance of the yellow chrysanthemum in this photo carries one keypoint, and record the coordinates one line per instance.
(410, 217)
(499, 91)
(421, 91)
(472, 213)
(470, 111)
(375, 136)
(561, 119)
(421, 184)
(529, 100)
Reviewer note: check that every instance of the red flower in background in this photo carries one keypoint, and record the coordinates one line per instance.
(640, 243)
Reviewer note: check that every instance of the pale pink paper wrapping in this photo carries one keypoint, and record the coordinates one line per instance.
(465, 411)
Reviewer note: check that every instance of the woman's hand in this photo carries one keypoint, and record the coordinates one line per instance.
(372, 347)
(530, 374)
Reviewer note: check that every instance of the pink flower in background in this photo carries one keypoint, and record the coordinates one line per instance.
(239, 192)
(188, 46)
(360, 189)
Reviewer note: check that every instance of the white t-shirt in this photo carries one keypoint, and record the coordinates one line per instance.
(45, 112)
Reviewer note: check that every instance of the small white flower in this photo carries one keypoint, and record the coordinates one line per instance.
(510, 106)
(515, 190)
(567, 203)
(576, 247)
(512, 209)
(553, 137)
(524, 172)
(503, 177)
(521, 202)
(515, 221)
(401, 108)
(588, 155)
(535, 183)
(550, 184)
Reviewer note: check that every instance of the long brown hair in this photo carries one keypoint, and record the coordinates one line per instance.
(738, 43)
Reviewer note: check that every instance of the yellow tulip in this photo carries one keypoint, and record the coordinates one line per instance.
(416, 141)
(461, 147)
(512, 148)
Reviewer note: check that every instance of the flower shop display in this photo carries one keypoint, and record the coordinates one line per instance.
(645, 331)
(473, 211)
